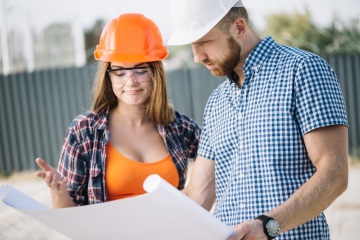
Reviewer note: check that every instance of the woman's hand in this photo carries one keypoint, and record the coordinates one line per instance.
(58, 187)
(51, 177)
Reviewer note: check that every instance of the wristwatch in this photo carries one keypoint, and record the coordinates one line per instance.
(271, 226)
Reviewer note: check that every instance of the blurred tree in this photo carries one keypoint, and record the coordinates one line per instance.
(92, 36)
(342, 38)
(298, 30)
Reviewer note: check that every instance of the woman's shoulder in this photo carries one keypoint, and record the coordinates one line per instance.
(88, 121)
(180, 116)
(183, 120)
(83, 119)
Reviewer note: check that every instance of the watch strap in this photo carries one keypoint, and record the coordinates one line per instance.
(265, 219)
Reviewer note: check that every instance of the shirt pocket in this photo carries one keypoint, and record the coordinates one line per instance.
(94, 171)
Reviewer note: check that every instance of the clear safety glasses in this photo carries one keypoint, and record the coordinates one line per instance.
(139, 73)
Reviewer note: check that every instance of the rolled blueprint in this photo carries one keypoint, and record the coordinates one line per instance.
(16, 199)
(162, 213)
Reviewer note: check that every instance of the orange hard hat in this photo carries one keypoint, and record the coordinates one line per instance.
(131, 37)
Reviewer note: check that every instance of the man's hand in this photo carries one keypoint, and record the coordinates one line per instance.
(249, 230)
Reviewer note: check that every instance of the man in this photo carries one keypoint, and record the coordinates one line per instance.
(273, 151)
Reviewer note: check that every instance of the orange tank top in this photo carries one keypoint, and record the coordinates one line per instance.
(125, 177)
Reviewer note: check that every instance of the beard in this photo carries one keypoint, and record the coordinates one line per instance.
(231, 60)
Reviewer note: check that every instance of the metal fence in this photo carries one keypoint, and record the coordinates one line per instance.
(347, 69)
(36, 108)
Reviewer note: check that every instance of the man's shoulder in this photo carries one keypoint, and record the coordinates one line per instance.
(294, 53)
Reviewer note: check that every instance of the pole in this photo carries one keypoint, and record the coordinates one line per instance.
(4, 40)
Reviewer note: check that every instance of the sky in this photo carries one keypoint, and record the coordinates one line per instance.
(36, 14)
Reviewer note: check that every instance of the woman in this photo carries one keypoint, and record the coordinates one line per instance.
(132, 131)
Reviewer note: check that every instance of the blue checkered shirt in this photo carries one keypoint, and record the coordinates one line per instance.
(254, 133)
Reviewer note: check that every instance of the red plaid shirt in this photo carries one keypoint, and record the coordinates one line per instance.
(83, 154)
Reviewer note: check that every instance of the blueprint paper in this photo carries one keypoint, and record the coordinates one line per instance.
(162, 213)
(16, 199)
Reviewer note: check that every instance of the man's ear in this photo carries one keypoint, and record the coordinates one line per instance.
(240, 26)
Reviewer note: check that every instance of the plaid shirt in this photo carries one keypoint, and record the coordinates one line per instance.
(83, 155)
(254, 133)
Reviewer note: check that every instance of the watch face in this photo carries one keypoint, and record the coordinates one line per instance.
(273, 228)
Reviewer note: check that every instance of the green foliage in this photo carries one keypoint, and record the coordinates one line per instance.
(298, 30)
(5, 175)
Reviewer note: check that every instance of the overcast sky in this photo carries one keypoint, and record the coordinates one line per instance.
(39, 13)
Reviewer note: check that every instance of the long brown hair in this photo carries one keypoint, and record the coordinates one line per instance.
(103, 95)
(158, 107)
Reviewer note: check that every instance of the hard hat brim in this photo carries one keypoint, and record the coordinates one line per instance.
(188, 36)
(183, 38)
(128, 58)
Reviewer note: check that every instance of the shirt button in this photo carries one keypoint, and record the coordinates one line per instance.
(242, 205)
(240, 116)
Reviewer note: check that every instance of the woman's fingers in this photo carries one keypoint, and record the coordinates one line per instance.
(54, 182)
(63, 184)
(48, 179)
(40, 174)
(50, 176)
(44, 166)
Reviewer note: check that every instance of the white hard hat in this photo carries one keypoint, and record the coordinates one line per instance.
(192, 19)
